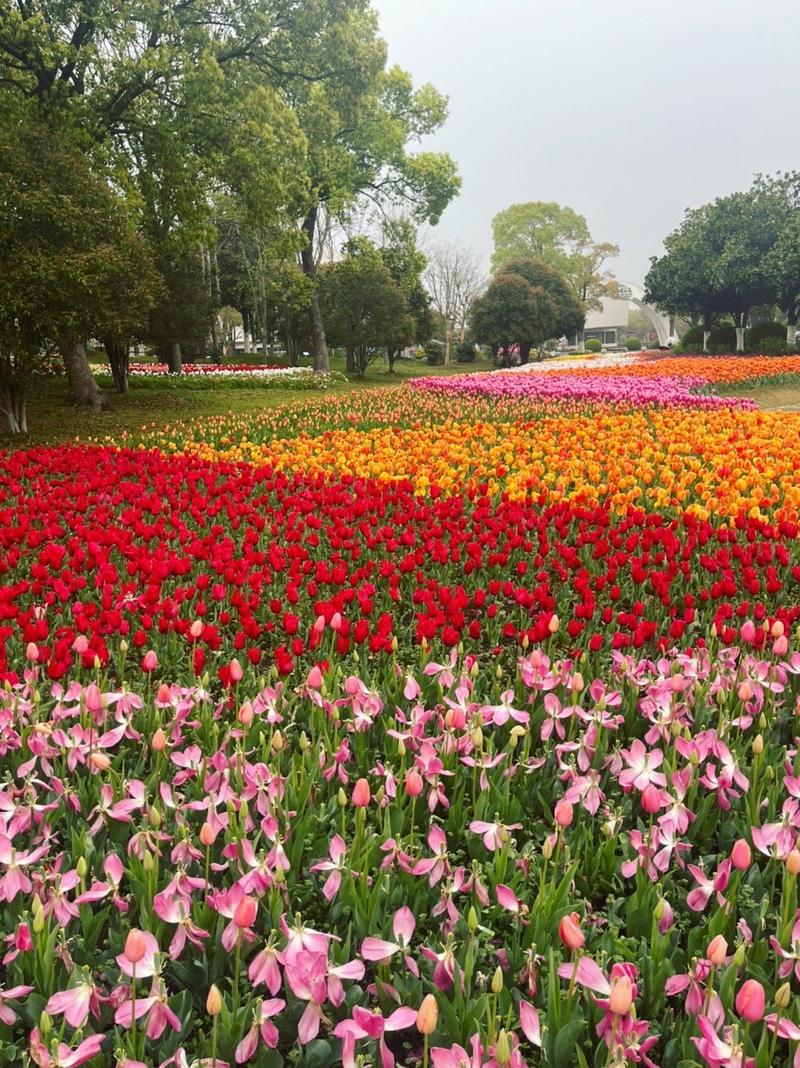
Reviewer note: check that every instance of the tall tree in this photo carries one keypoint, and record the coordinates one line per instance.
(114, 72)
(406, 262)
(454, 278)
(73, 264)
(361, 125)
(559, 237)
(525, 305)
(366, 310)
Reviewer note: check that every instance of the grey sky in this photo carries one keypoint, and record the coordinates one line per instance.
(627, 111)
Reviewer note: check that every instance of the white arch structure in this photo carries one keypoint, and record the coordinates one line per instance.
(660, 323)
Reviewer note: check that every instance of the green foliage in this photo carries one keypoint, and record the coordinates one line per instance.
(632, 344)
(559, 237)
(465, 351)
(774, 346)
(73, 263)
(526, 304)
(760, 332)
(722, 338)
(593, 345)
(366, 310)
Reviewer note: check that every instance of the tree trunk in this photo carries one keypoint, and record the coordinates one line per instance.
(740, 338)
(13, 407)
(319, 348)
(448, 341)
(706, 334)
(83, 389)
(174, 360)
(524, 353)
(791, 328)
(350, 365)
(118, 353)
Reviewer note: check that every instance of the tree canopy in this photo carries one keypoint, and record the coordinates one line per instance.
(559, 237)
(366, 309)
(731, 255)
(526, 303)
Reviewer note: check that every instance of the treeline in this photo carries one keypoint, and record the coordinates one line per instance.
(732, 257)
(159, 162)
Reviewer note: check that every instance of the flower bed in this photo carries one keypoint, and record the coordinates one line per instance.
(214, 376)
(618, 389)
(449, 727)
(406, 863)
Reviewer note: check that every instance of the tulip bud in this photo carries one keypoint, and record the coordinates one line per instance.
(570, 933)
(100, 761)
(547, 848)
(246, 912)
(497, 980)
(303, 744)
(780, 646)
(750, 1001)
(413, 783)
(553, 625)
(32, 651)
(758, 745)
(793, 862)
(341, 798)
(502, 1049)
(651, 799)
(777, 630)
(81, 867)
(45, 1024)
(361, 794)
(741, 855)
(207, 835)
(196, 629)
(158, 743)
(149, 661)
(717, 950)
(245, 713)
(135, 946)
(621, 997)
(472, 919)
(38, 921)
(148, 863)
(739, 956)
(783, 995)
(278, 743)
(563, 813)
(401, 747)
(476, 737)
(428, 1015)
(214, 1001)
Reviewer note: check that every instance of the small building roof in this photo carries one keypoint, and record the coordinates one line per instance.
(614, 313)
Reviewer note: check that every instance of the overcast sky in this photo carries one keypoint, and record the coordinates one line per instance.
(628, 111)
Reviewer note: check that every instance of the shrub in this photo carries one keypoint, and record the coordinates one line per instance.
(774, 346)
(761, 332)
(632, 344)
(593, 345)
(434, 354)
(465, 352)
(722, 338)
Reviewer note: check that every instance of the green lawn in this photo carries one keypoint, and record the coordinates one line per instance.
(784, 398)
(53, 420)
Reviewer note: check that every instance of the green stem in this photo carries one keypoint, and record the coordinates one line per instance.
(236, 957)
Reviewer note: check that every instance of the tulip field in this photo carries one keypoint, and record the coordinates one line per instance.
(452, 725)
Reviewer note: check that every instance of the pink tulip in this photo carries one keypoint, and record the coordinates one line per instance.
(741, 856)
(361, 794)
(570, 933)
(750, 1001)
(246, 912)
(149, 661)
(563, 812)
